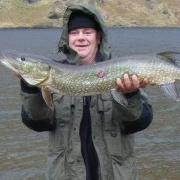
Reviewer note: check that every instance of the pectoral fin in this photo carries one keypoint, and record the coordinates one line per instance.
(46, 93)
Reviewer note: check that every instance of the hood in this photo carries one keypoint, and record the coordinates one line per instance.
(63, 43)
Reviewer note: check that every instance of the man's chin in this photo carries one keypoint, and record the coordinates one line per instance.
(82, 55)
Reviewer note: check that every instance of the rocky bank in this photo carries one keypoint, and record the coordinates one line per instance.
(128, 13)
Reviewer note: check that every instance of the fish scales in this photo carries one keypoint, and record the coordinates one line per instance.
(86, 80)
(92, 79)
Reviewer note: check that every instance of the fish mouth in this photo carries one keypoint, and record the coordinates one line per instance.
(8, 65)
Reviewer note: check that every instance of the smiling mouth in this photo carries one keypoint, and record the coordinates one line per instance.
(81, 48)
(81, 45)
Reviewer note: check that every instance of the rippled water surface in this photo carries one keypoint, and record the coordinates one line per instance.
(23, 152)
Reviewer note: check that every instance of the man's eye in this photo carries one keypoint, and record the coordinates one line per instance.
(73, 32)
(88, 32)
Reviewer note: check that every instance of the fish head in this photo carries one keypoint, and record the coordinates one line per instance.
(31, 68)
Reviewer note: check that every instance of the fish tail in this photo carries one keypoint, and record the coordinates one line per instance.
(172, 90)
(171, 56)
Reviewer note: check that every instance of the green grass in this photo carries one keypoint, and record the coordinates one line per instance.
(19, 14)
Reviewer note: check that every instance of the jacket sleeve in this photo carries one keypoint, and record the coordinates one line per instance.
(136, 115)
(35, 113)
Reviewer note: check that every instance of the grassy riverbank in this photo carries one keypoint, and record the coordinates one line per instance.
(48, 13)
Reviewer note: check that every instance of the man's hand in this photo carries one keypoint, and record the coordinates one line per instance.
(129, 84)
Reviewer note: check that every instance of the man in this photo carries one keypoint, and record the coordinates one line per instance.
(90, 138)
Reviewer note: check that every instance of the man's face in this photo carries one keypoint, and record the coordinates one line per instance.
(84, 41)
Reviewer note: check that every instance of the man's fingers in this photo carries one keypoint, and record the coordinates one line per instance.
(125, 84)
(135, 82)
(129, 84)
(120, 84)
(144, 83)
(127, 81)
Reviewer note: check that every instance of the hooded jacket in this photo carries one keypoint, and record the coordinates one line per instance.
(109, 126)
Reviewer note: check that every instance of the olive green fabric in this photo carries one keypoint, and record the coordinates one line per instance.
(115, 150)
(63, 43)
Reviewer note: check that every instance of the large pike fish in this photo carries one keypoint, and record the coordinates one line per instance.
(159, 69)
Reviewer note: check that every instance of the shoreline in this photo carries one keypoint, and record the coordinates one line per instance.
(109, 27)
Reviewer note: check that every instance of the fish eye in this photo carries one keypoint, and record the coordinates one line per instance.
(23, 58)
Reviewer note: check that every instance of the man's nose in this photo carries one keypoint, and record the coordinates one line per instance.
(81, 36)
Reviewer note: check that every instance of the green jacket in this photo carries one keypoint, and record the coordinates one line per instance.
(112, 124)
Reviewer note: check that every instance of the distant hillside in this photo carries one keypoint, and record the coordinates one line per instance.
(48, 13)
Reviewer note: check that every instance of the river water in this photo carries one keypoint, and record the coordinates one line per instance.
(23, 152)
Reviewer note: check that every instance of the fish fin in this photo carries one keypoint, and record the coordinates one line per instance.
(119, 97)
(171, 56)
(46, 93)
(30, 81)
(171, 90)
